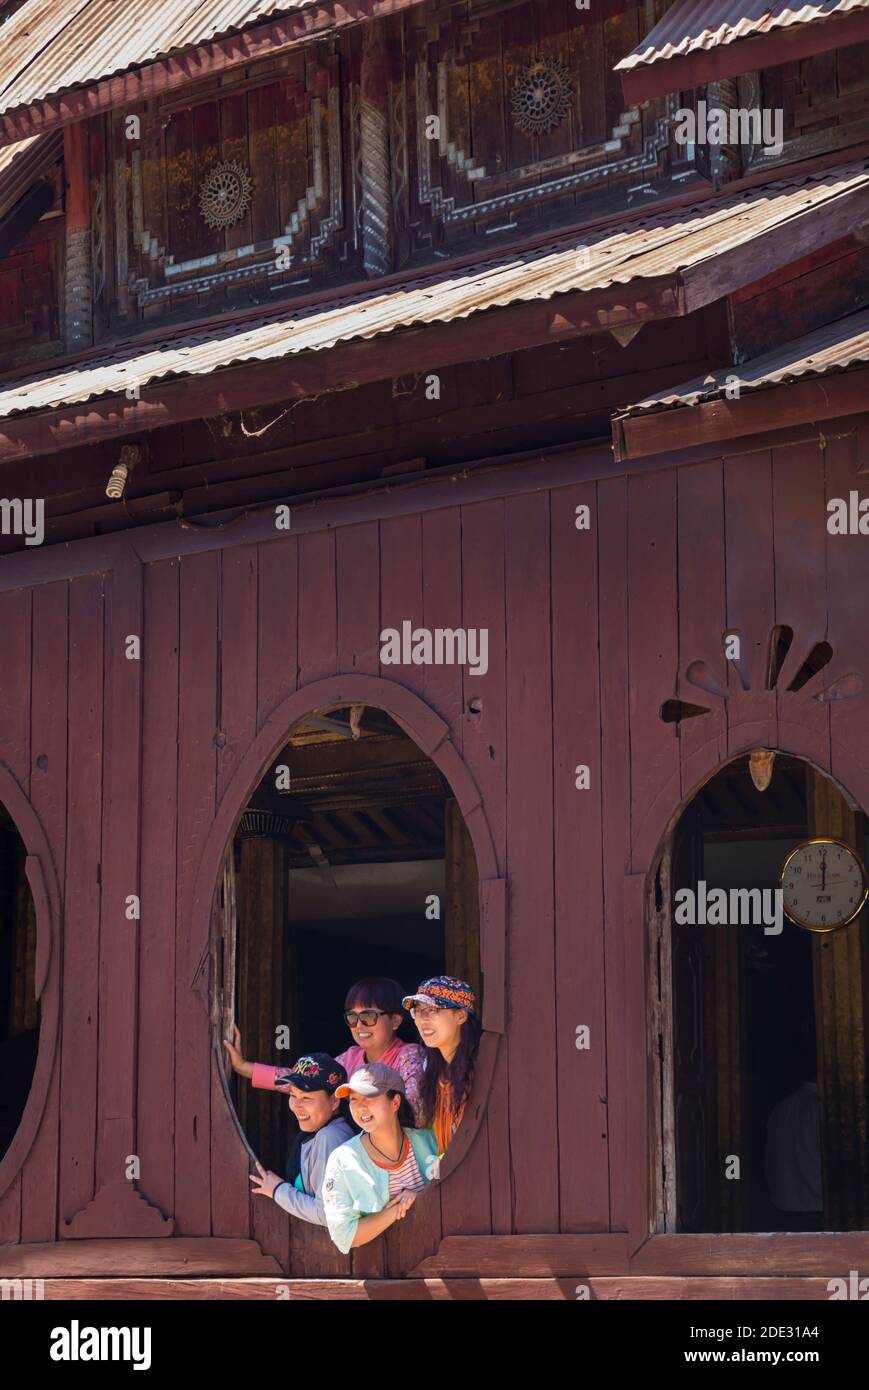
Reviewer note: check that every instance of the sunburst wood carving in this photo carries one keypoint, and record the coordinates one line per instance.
(224, 196)
(697, 677)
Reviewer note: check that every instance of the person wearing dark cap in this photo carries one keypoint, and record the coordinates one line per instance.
(373, 1180)
(312, 1084)
(445, 1011)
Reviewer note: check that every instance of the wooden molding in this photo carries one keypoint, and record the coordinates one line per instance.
(192, 1256)
(117, 1207)
(440, 1289)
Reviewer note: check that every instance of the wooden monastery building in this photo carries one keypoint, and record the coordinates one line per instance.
(320, 320)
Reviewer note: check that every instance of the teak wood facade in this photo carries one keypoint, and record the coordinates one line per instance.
(458, 509)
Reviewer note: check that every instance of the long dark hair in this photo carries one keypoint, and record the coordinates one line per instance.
(458, 1073)
(405, 1114)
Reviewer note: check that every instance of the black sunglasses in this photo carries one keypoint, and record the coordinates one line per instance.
(369, 1017)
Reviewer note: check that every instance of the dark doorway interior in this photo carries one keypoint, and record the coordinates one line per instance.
(754, 1024)
(19, 1010)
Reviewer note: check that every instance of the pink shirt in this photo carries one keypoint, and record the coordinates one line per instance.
(406, 1058)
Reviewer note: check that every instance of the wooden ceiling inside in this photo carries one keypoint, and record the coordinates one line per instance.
(368, 799)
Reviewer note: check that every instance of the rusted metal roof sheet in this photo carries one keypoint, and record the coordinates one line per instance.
(48, 48)
(642, 250)
(833, 348)
(690, 25)
(22, 164)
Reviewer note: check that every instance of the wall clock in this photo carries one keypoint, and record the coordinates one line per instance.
(824, 884)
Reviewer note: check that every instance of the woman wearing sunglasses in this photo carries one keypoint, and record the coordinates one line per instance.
(445, 1011)
(373, 1012)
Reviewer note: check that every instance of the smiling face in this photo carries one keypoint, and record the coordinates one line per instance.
(373, 1112)
(440, 1028)
(373, 1038)
(312, 1109)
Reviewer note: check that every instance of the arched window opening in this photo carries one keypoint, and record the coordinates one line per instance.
(19, 1009)
(762, 1086)
(351, 860)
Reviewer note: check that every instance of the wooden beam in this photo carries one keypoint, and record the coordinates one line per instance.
(787, 45)
(146, 82)
(178, 1255)
(712, 422)
(426, 1290)
(430, 347)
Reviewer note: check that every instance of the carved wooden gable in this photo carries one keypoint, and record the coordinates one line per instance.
(232, 190)
(517, 116)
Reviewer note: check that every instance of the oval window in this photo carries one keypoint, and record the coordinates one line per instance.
(19, 1009)
(351, 863)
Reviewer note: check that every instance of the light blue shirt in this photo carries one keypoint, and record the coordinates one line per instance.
(354, 1186)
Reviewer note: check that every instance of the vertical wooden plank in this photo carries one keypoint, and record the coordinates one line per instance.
(442, 607)
(579, 943)
(847, 575)
(230, 1189)
(484, 748)
(157, 946)
(291, 155)
(652, 638)
(800, 541)
(702, 619)
(358, 585)
(277, 630)
(48, 790)
(10, 1213)
(15, 678)
(206, 154)
(196, 796)
(263, 154)
(533, 1110)
(318, 619)
(401, 589)
(238, 660)
(234, 139)
(182, 201)
(750, 597)
(122, 771)
(486, 74)
(78, 1071)
(615, 807)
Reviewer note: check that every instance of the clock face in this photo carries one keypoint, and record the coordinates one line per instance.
(823, 884)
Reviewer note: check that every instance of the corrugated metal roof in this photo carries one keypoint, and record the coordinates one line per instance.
(642, 250)
(691, 25)
(22, 164)
(46, 48)
(833, 348)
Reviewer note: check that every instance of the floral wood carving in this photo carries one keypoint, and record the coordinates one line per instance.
(224, 196)
(541, 96)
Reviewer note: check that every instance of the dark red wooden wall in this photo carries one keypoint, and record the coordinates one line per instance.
(589, 633)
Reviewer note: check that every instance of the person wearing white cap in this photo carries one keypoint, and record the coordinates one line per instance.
(373, 1180)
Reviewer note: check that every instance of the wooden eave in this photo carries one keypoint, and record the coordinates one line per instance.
(765, 410)
(181, 69)
(789, 45)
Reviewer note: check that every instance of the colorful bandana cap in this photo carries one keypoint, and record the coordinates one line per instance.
(316, 1071)
(445, 992)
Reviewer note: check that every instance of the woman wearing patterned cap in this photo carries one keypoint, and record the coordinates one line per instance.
(373, 1180)
(445, 1011)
